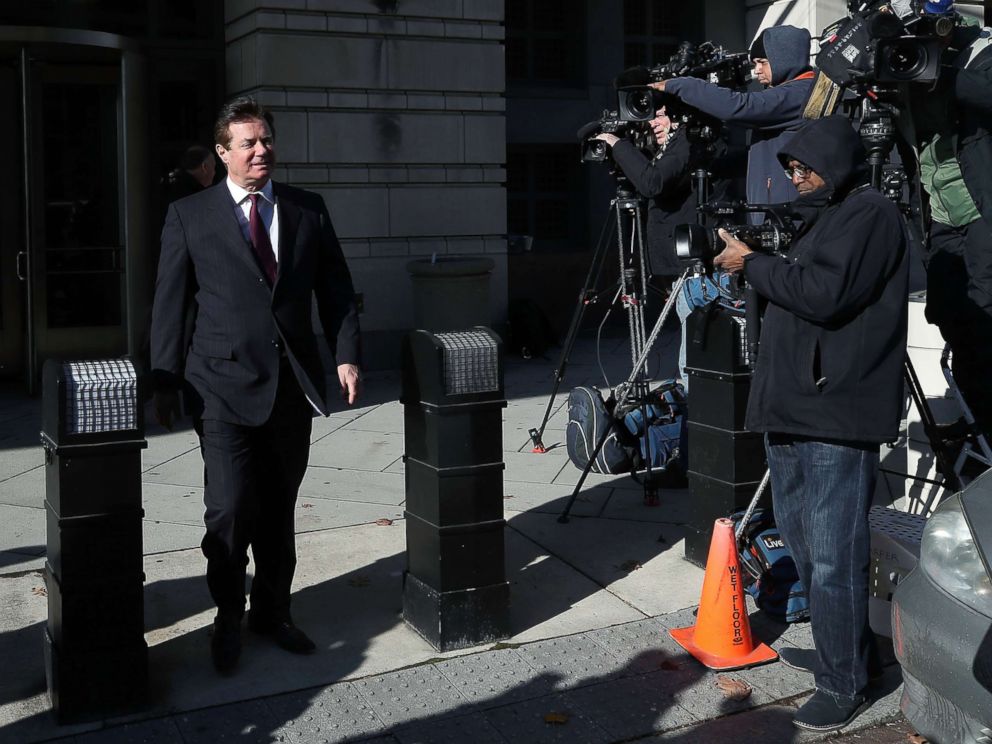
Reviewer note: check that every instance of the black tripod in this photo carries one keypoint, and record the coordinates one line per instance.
(635, 389)
(631, 289)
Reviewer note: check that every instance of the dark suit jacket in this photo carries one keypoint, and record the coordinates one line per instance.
(218, 325)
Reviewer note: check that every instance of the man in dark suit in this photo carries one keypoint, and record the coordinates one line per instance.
(231, 325)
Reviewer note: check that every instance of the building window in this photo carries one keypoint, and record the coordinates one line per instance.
(545, 42)
(545, 196)
(653, 29)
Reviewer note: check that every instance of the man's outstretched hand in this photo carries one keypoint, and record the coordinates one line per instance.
(351, 382)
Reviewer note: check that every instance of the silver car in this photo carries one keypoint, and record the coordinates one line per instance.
(942, 622)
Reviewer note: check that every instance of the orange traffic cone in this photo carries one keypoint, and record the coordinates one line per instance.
(721, 637)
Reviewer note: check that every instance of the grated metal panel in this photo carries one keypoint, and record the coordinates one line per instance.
(895, 549)
(900, 526)
(471, 362)
(101, 396)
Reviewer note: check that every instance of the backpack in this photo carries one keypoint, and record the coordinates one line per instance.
(624, 450)
(770, 575)
(588, 418)
(666, 442)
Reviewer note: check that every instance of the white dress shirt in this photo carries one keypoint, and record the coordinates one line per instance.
(267, 208)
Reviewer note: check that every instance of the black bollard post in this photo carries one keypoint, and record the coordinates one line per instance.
(726, 463)
(455, 592)
(96, 658)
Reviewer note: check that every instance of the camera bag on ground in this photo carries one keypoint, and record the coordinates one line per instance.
(667, 430)
(624, 450)
(770, 575)
(588, 419)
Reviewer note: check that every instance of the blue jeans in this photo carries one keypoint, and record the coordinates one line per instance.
(821, 493)
(698, 291)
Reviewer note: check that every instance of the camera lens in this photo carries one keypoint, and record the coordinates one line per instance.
(905, 59)
(642, 103)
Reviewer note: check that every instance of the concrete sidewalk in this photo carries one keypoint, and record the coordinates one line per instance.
(589, 660)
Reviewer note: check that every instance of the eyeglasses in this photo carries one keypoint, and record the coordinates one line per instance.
(801, 171)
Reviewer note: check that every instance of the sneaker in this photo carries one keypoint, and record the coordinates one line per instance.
(823, 712)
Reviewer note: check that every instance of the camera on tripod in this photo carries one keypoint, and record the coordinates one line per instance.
(596, 151)
(700, 243)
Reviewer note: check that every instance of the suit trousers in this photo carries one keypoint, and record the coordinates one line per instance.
(251, 478)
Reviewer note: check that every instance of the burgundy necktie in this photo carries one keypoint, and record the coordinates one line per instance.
(260, 242)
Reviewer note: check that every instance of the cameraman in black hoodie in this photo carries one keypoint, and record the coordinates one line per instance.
(827, 390)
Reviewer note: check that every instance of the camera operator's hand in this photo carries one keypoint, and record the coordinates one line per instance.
(660, 85)
(610, 139)
(731, 258)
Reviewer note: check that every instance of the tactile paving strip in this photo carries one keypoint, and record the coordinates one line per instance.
(412, 694)
(472, 728)
(495, 677)
(333, 714)
(571, 660)
(631, 707)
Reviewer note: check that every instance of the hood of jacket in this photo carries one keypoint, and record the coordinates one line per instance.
(832, 148)
(787, 50)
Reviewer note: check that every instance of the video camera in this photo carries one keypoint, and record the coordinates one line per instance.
(699, 243)
(637, 102)
(885, 43)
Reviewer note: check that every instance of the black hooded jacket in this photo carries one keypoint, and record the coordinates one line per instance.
(833, 339)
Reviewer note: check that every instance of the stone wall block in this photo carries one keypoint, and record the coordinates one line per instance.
(291, 136)
(461, 30)
(425, 101)
(385, 137)
(463, 103)
(493, 32)
(451, 66)
(455, 210)
(347, 25)
(387, 26)
(268, 19)
(358, 213)
(482, 10)
(306, 98)
(321, 61)
(421, 27)
(306, 22)
(387, 100)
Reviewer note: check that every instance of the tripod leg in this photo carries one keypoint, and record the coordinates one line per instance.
(563, 517)
(585, 297)
(944, 466)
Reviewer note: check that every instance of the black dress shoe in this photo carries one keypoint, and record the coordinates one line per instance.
(225, 644)
(286, 635)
